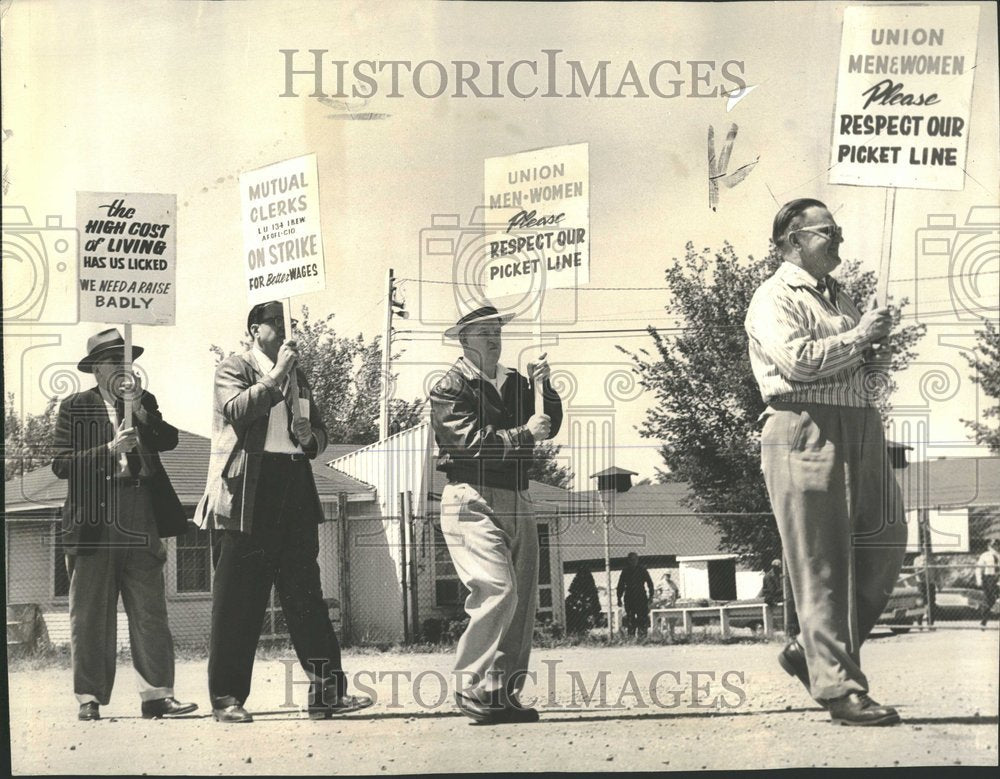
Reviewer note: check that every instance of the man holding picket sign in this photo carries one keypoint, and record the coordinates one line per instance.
(261, 497)
(825, 462)
(486, 424)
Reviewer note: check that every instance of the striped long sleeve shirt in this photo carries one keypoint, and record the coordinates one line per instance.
(804, 347)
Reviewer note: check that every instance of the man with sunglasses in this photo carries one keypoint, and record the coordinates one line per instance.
(261, 498)
(825, 462)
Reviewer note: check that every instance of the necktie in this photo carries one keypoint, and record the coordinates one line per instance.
(288, 414)
(827, 285)
(133, 458)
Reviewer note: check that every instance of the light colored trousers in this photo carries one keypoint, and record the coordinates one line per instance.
(840, 516)
(493, 541)
(124, 566)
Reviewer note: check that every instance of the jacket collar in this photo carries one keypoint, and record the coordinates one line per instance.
(472, 373)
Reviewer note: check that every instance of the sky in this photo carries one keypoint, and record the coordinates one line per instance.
(182, 98)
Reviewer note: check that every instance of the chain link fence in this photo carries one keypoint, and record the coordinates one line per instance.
(391, 581)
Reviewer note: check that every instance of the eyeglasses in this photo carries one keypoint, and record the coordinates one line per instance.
(272, 320)
(824, 231)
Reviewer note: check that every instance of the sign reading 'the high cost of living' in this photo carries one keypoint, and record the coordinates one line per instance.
(128, 257)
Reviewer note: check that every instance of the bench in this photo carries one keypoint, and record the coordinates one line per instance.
(746, 613)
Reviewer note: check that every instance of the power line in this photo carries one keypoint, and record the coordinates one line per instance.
(588, 288)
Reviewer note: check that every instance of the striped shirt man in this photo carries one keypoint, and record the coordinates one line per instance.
(805, 345)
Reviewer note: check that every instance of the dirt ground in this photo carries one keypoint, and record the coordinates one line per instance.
(664, 708)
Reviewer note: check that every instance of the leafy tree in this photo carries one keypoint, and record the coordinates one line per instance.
(27, 442)
(706, 399)
(345, 377)
(546, 467)
(583, 605)
(985, 363)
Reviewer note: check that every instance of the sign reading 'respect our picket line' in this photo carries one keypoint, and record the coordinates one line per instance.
(539, 221)
(904, 90)
(128, 257)
(282, 242)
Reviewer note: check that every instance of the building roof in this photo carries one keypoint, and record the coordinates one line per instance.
(613, 471)
(951, 482)
(546, 498)
(187, 466)
(649, 519)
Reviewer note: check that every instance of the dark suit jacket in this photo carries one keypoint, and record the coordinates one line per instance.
(481, 433)
(244, 398)
(83, 430)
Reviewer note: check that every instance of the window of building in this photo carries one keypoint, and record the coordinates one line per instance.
(194, 561)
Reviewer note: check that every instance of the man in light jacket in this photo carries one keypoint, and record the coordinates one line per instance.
(261, 497)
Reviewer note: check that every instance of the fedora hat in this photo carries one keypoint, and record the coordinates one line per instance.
(101, 345)
(483, 314)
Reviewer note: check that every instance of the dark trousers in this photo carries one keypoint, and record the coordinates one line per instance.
(989, 596)
(130, 564)
(637, 615)
(280, 550)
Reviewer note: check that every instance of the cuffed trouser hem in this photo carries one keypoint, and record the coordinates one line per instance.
(156, 694)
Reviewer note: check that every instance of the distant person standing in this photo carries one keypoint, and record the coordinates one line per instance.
(633, 585)
(670, 591)
(987, 568)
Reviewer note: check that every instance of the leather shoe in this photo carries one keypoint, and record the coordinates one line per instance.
(793, 660)
(519, 714)
(345, 704)
(230, 710)
(857, 708)
(166, 707)
(480, 713)
(89, 711)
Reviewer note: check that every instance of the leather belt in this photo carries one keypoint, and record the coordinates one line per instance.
(289, 457)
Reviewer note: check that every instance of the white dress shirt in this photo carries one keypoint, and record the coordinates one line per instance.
(473, 372)
(278, 440)
(987, 565)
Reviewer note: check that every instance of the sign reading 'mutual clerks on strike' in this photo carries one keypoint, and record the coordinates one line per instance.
(282, 243)
(903, 96)
(128, 257)
(538, 215)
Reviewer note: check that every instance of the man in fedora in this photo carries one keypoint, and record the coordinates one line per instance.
(486, 427)
(119, 505)
(261, 497)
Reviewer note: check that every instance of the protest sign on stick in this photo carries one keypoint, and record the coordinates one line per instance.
(538, 233)
(128, 263)
(904, 91)
(282, 239)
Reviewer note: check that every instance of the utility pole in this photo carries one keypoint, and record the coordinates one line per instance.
(393, 308)
(383, 416)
